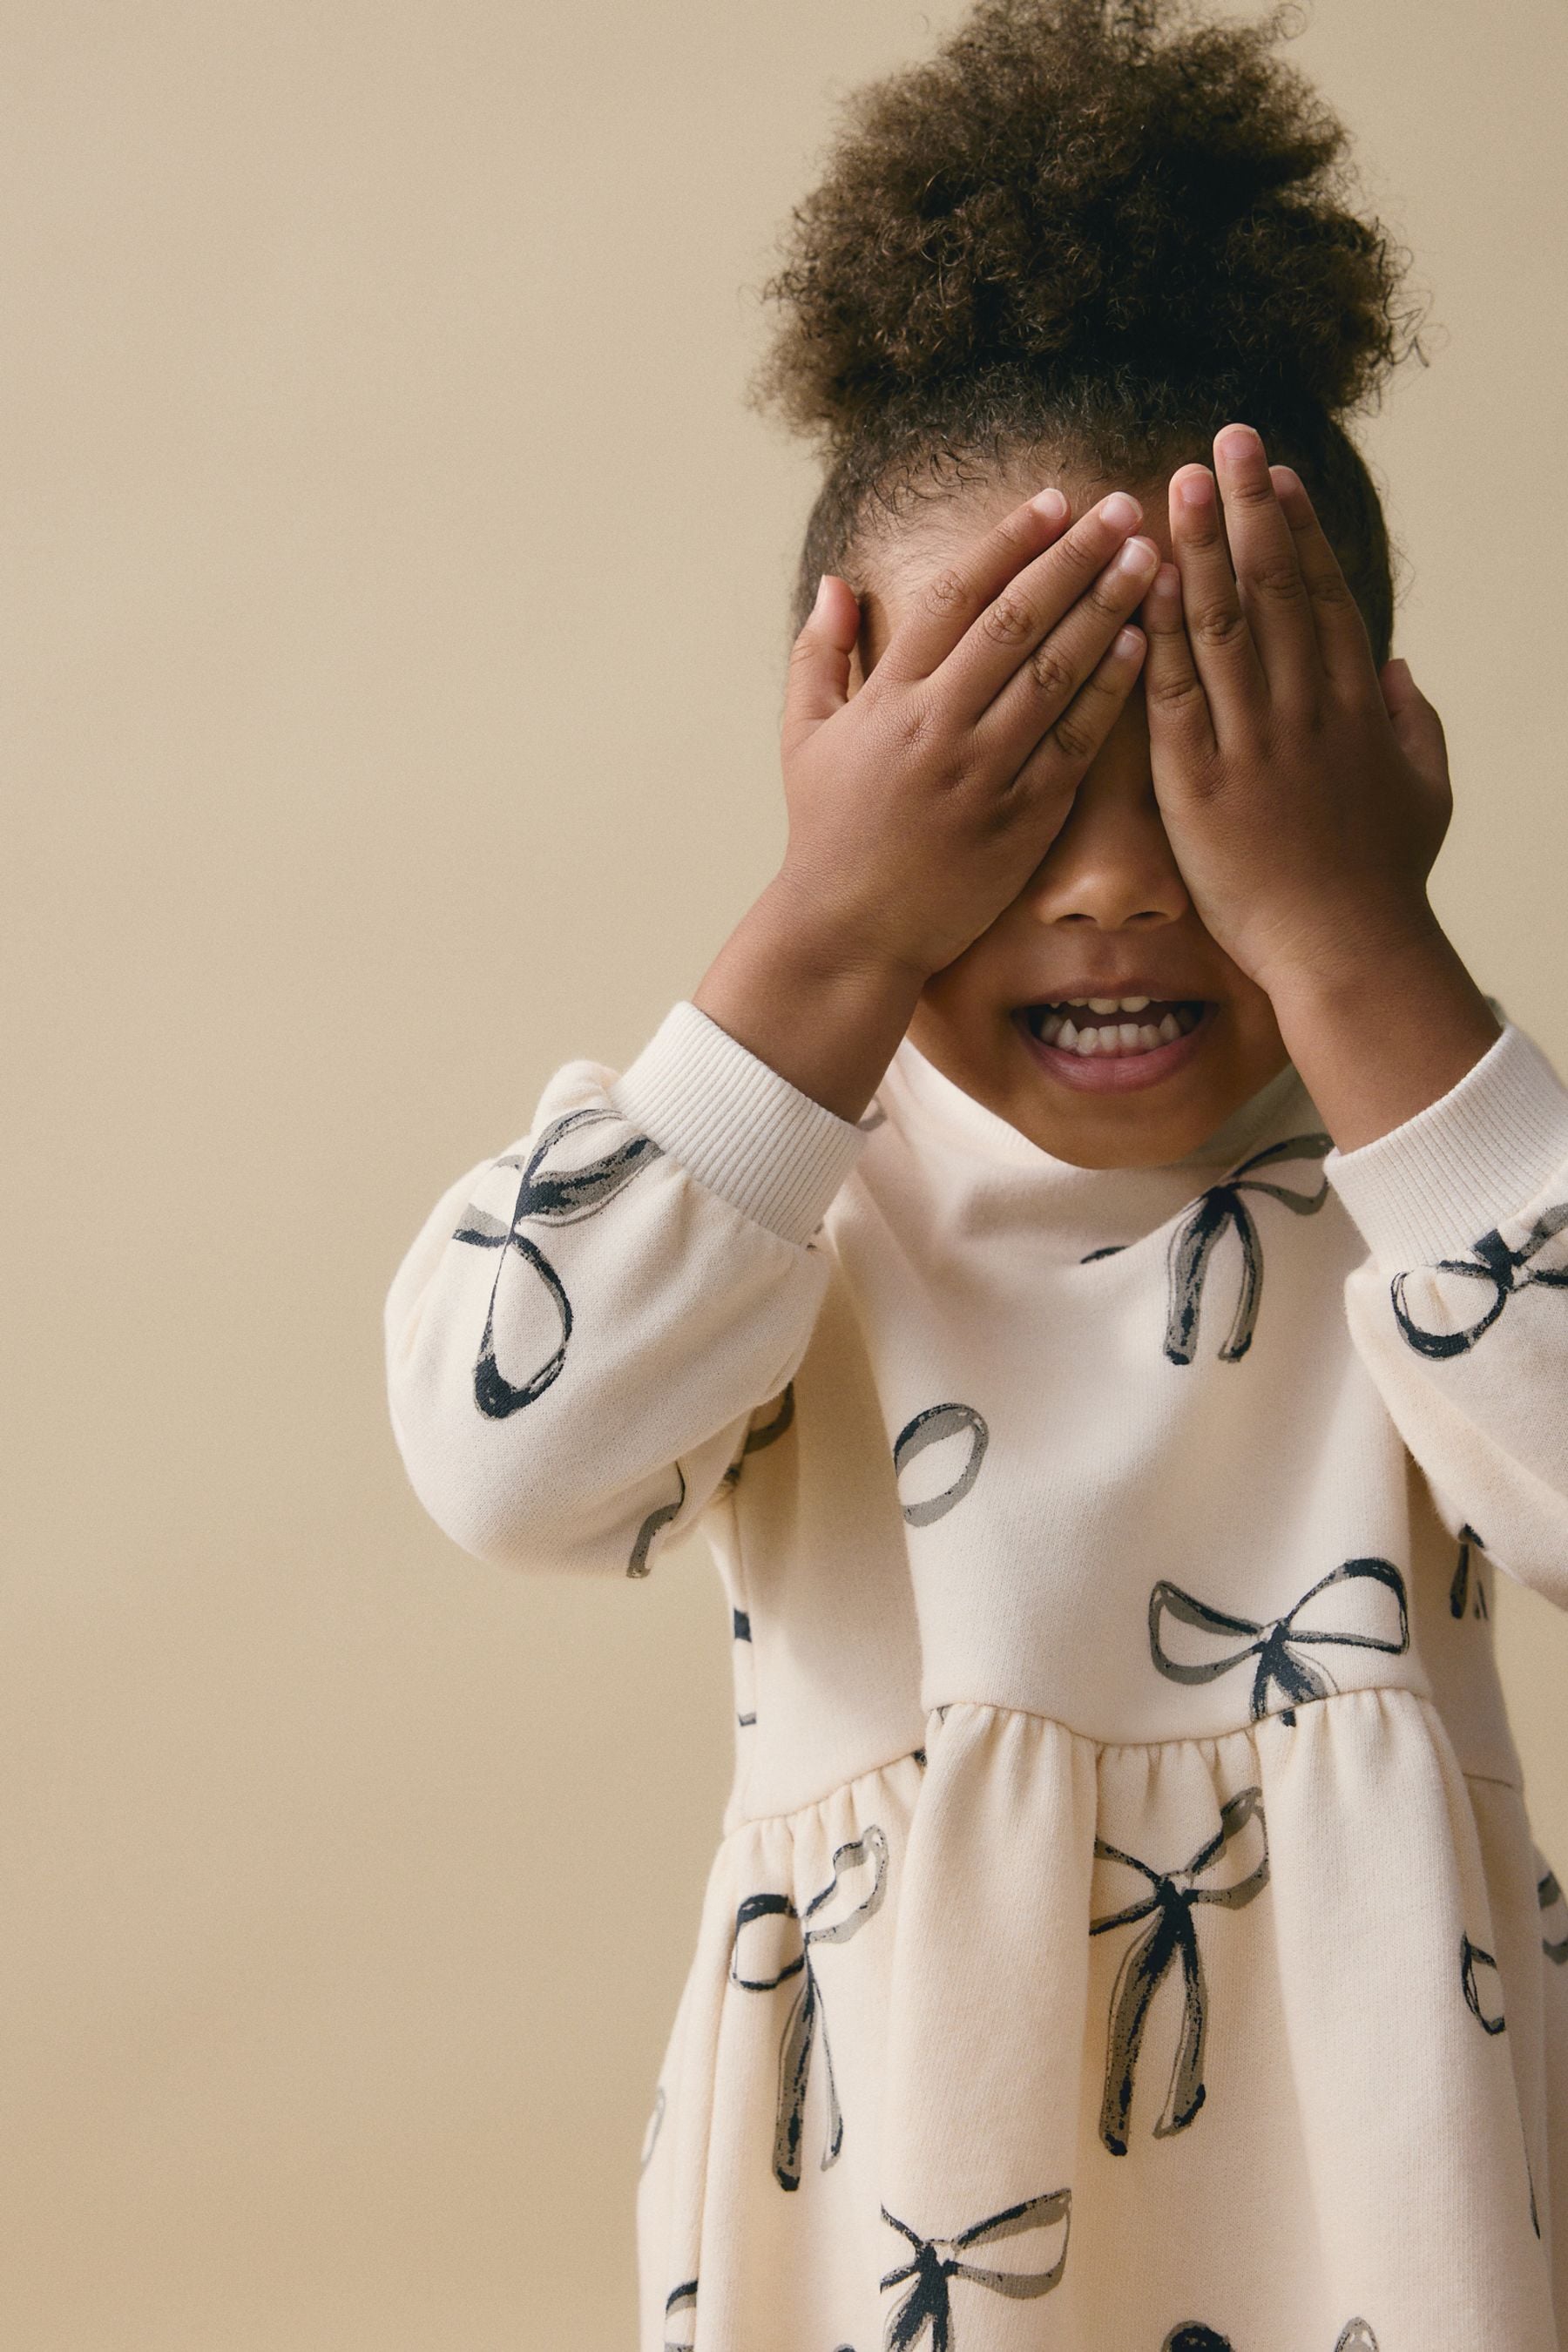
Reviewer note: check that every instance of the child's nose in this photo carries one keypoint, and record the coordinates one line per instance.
(1111, 864)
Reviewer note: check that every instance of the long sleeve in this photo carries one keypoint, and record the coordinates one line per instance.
(1459, 1311)
(584, 1326)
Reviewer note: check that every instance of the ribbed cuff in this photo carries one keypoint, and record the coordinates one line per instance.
(735, 1125)
(1481, 1152)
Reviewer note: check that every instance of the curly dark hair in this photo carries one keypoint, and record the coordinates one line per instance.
(1098, 229)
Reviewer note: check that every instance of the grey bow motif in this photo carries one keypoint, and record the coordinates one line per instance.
(1490, 1261)
(1276, 1644)
(927, 2306)
(1460, 1589)
(1471, 1957)
(1170, 1936)
(680, 2315)
(806, 2011)
(928, 1428)
(1550, 1897)
(1193, 1241)
(551, 1199)
(1354, 2336)
(767, 1432)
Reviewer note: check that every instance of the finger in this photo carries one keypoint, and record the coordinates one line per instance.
(1045, 680)
(996, 600)
(1268, 570)
(1216, 627)
(1096, 575)
(1179, 715)
(818, 680)
(1417, 728)
(1061, 758)
(1344, 646)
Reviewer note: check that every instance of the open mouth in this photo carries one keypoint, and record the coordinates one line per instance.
(1113, 1027)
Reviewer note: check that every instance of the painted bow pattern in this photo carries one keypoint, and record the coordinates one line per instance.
(680, 2316)
(807, 2015)
(766, 1432)
(1482, 1997)
(1277, 1645)
(1193, 1242)
(1507, 1271)
(1550, 1897)
(928, 1428)
(555, 1197)
(927, 2309)
(1169, 1936)
(1354, 2336)
(1460, 1589)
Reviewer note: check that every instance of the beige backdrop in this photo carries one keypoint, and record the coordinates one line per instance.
(394, 640)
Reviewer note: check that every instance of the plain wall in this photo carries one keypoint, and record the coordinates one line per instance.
(396, 611)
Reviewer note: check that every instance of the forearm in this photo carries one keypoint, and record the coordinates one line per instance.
(789, 987)
(1379, 1035)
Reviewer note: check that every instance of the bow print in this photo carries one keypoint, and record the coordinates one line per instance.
(1193, 1241)
(1494, 2021)
(1354, 2336)
(1277, 1642)
(680, 2315)
(1490, 1261)
(1170, 1935)
(1458, 1591)
(1550, 1895)
(767, 1432)
(928, 1428)
(558, 1200)
(801, 2024)
(928, 2304)
(741, 1628)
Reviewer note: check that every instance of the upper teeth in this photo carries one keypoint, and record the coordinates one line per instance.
(1055, 1025)
(1107, 1004)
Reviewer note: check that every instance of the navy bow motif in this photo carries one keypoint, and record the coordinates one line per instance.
(806, 2011)
(1276, 1644)
(928, 1428)
(1508, 1271)
(1550, 1897)
(1482, 2005)
(927, 2305)
(1460, 1589)
(1471, 1954)
(680, 2316)
(556, 1199)
(1193, 1242)
(1171, 1936)
(1354, 2336)
(766, 1432)
(741, 1629)
(639, 1563)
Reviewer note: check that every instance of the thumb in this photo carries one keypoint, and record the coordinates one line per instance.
(819, 660)
(1417, 726)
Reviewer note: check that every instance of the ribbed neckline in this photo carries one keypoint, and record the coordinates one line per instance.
(930, 1096)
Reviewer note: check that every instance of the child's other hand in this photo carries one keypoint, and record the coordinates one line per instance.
(920, 805)
(1304, 793)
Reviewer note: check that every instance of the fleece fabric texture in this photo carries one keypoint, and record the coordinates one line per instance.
(1126, 1928)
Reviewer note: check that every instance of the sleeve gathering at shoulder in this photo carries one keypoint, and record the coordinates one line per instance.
(1459, 1310)
(584, 1326)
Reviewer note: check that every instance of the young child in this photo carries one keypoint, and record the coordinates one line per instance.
(1096, 1267)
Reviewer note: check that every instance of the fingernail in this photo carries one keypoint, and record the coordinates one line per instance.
(1120, 512)
(1196, 488)
(1050, 504)
(1235, 439)
(821, 595)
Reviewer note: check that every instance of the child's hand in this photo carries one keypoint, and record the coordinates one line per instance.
(1305, 794)
(920, 806)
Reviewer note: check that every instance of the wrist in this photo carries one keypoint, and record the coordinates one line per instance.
(1384, 1025)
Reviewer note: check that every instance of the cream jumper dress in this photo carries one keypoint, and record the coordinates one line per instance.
(1126, 1932)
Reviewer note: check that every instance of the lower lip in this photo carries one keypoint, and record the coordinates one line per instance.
(1117, 1074)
